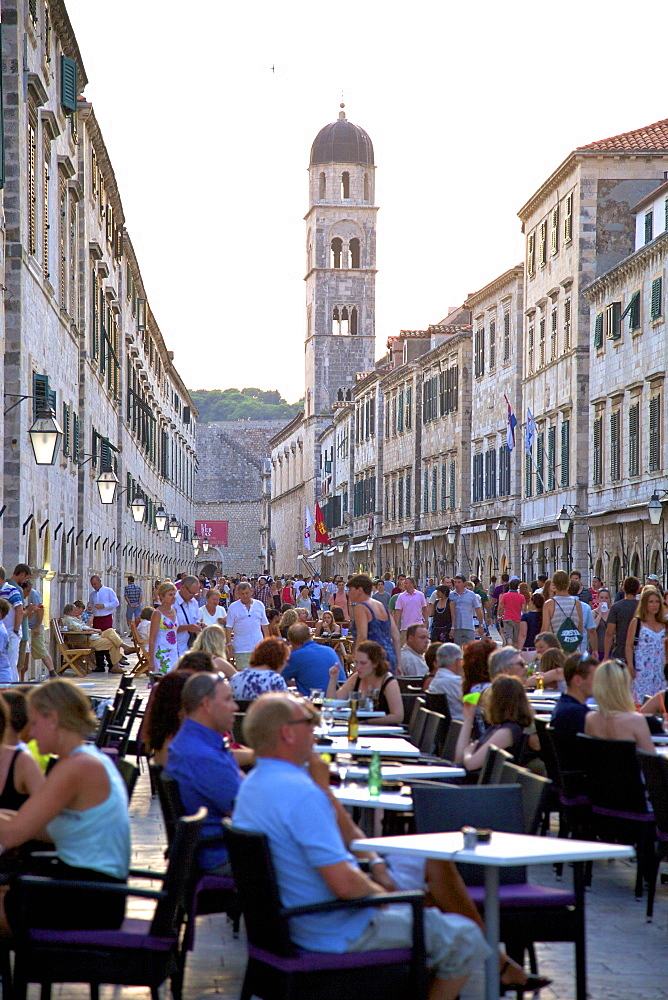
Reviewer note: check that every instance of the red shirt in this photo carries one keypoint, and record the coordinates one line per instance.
(512, 603)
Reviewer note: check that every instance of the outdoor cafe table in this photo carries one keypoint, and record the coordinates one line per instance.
(407, 772)
(386, 746)
(504, 850)
(368, 730)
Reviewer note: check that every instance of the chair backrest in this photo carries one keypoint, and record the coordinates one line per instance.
(123, 698)
(548, 752)
(257, 890)
(612, 775)
(450, 741)
(534, 794)
(129, 773)
(490, 772)
(58, 635)
(181, 876)
(125, 681)
(430, 730)
(238, 726)
(438, 703)
(412, 705)
(105, 722)
(655, 773)
(410, 684)
(441, 808)
(170, 804)
(243, 703)
(418, 722)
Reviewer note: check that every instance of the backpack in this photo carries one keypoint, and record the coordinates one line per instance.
(568, 633)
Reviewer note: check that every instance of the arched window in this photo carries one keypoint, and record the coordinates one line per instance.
(353, 320)
(322, 191)
(336, 322)
(635, 565)
(354, 252)
(349, 395)
(366, 187)
(345, 322)
(345, 185)
(337, 250)
(339, 396)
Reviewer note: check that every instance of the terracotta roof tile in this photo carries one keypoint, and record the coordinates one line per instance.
(648, 138)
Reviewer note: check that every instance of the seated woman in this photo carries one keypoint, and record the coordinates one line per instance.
(20, 775)
(656, 705)
(107, 641)
(304, 600)
(430, 660)
(273, 617)
(212, 640)
(288, 618)
(507, 713)
(264, 673)
(371, 666)
(144, 624)
(616, 718)
(551, 668)
(327, 625)
(82, 807)
(303, 615)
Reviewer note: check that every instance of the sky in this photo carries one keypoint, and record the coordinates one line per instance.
(209, 122)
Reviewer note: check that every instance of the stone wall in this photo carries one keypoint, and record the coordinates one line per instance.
(243, 551)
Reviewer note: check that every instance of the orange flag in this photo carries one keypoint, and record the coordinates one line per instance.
(320, 529)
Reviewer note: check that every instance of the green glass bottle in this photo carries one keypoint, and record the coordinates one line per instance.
(375, 776)
(353, 723)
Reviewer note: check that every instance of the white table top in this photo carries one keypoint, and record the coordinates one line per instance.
(660, 741)
(363, 713)
(366, 745)
(408, 772)
(505, 849)
(358, 795)
(662, 750)
(369, 730)
(537, 695)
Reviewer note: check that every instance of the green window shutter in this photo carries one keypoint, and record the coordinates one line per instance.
(634, 439)
(452, 486)
(633, 312)
(409, 400)
(528, 469)
(665, 214)
(598, 331)
(598, 449)
(425, 492)
(649, 226)
(40, 392)
(551, 457)
(657, 305)
(66, 430)
(444, 486)
(540, 471)
(492, 473)
(401, 497)
(442, 405)
(400, 411)
(654, 434)
(68, 83)
(565, 454)
(615, 472)
(75, 437)
(408, 496)
(434, 489)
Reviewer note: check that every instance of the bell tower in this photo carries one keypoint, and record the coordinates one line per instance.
(340, 265)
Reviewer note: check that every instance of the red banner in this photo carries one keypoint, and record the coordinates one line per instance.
(320, 529)
(214, 531)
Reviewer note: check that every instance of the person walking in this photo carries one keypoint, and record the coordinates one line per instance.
(246, 625)
(102, 602)
(133, 601)
(187, 610)
(620, 617)
(645, 645)
(465, 606)
(163, 651)
(562, 614)
(410, 608)
(511, 606)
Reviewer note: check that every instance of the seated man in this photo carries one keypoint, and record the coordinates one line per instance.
(201, 763)
(448, 677)
(412, 662)
(570, 712)
(107, 645)
(309, 662)
(312, 863)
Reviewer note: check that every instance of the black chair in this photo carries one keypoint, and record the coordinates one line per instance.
(450, 741)
(438, 703)
(528, 912)
(410, 685)
(129, 773)
(490, 772)
(277, 969)
(432, 723)
(408, 701)
(615, 788)
(655, 772)
(213, 893)
(535, 792)
(416, 721)
(140, 953)
(567, 794)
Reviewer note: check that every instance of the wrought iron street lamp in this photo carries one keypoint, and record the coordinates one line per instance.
(138, 508)
(655, 509)
(107, 484)
(195, 541)
(160, 518)
(45, 437)
(173, 527)
(564, 521)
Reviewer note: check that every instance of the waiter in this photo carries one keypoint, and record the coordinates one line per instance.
(102, 602)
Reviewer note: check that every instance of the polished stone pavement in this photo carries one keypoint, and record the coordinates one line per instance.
(628, 958)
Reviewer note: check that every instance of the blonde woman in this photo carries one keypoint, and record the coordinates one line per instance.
(211, 640)
(327, 625)
(645, 645)
(163, 651)
(616, 718)
(288, 618)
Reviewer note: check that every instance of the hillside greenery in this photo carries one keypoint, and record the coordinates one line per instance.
(243, 404)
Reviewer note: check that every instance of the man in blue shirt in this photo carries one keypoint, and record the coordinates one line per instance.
(312, 863)
(309, 662)
(568, 717)
(199, 760)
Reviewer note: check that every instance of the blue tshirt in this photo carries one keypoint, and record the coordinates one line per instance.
(309, 667)
(282, 801)
(207, 775)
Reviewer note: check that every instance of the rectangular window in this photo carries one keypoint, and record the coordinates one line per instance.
(394, 416)
(409, 406)
(657, 296)
(531, 254)
(633, 312)
(649, 226)
(66, 430)
(94, 318)
(504, 471)
(665, 214)
(442, 403)
(567, 325)
(615, 469)
(45, 210)
(542, 244)
(554, 236)
(613, 321)
(479, 477)
(551, 458)
(444, 486)
(32, 189)
(492, 474)
(530, 349)
(425, 492)
(540, 465)
(400, 411)
(394, 500)
(492, 345)
(372, 416)
(654, 434)
(401, 497)
(541, 342)
(634, 439)
(568, 219)
(597, 478)
(528, 471)
(598, 331)
(452, 486)
(553, 334)
(506, 338)
(480, 352)
(76, 450)
(434, 490)
(565, 454)
(408, 495)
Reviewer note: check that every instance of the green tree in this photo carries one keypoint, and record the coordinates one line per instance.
(243, 404)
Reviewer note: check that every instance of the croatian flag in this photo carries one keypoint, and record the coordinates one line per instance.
(511, 424)
(308, 524)
(529, 432)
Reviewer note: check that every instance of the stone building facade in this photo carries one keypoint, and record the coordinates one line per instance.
(231, 471)
(79, 336)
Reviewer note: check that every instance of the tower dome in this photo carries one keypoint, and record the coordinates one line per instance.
(342, 142)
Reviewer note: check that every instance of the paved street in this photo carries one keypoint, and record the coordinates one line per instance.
(627, 957)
